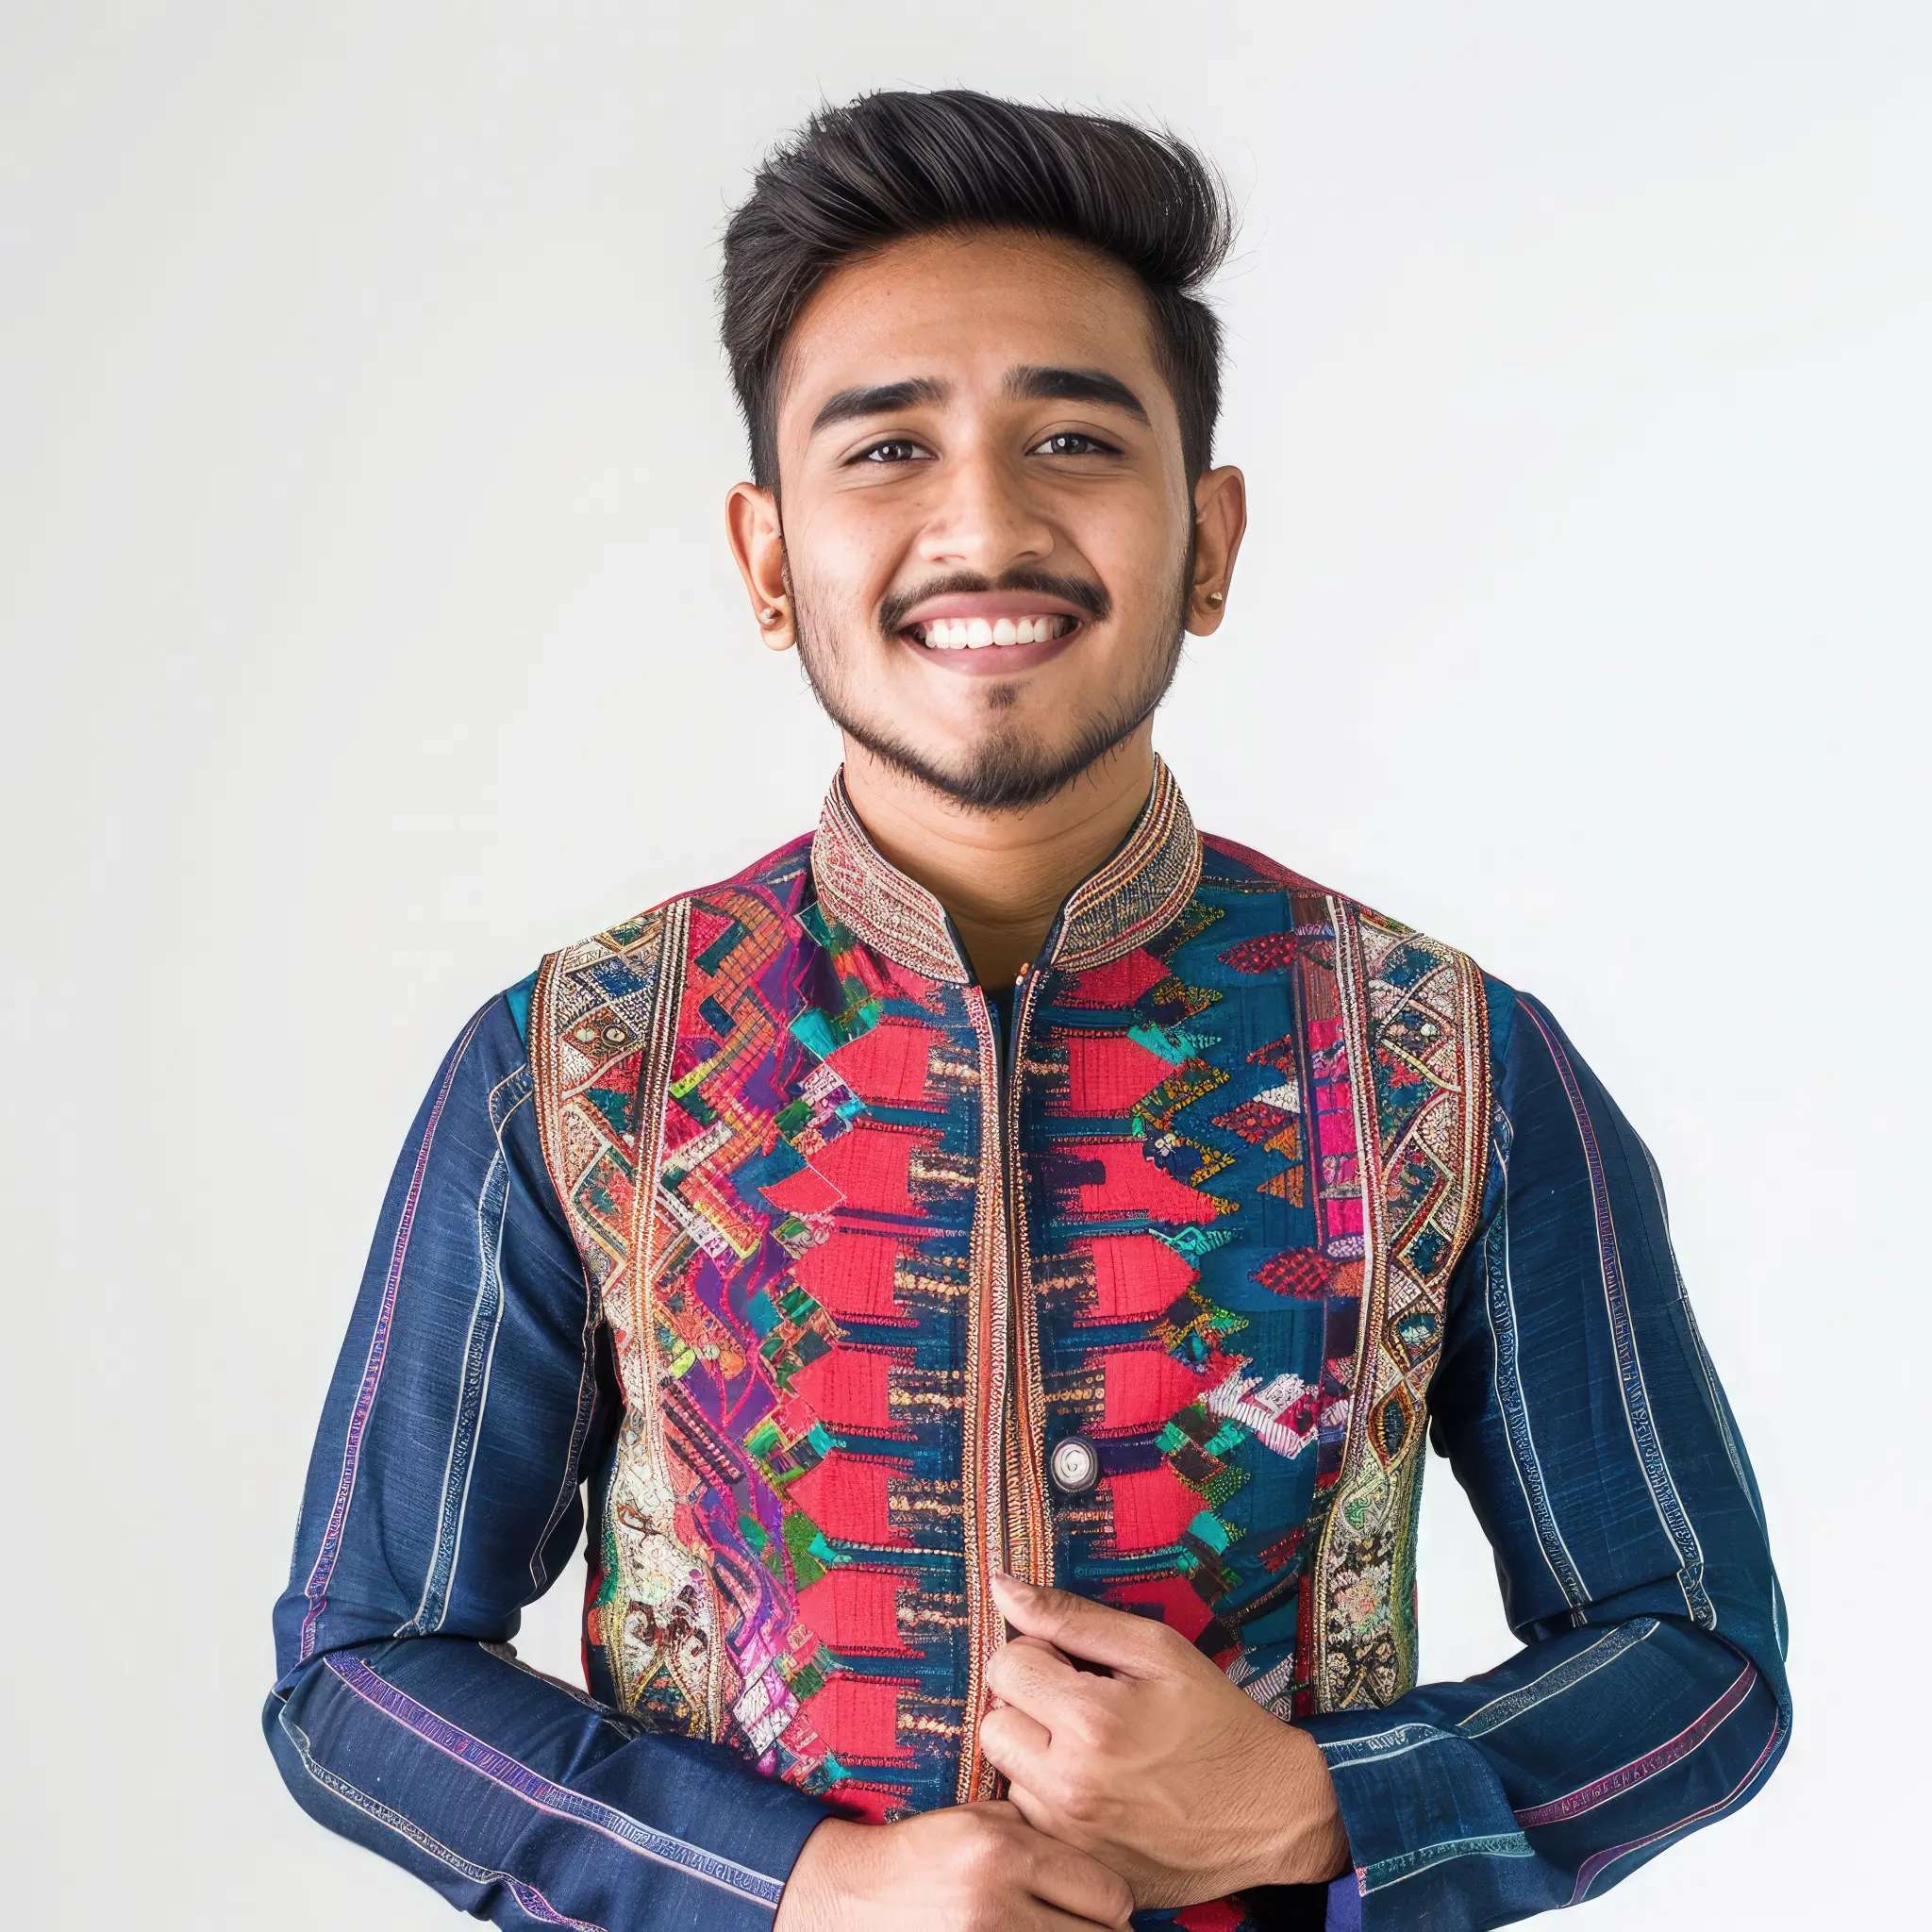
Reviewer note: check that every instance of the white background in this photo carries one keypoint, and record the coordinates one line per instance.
(369, 630)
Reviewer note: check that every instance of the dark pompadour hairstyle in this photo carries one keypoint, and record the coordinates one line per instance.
(889, 165)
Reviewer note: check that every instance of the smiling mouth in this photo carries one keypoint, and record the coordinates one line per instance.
(981, 634)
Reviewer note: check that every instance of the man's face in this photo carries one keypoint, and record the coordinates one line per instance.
(984, 517)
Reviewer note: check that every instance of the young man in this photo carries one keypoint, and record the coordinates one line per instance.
(996, 1260)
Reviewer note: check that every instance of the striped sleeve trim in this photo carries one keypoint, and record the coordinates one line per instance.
(1500, 1304)
(1387, 1872)
(1598, 1863)
(534, 1905)
(533, 1789)
(1670, 1512)
(479, 1356)
(1639, 1770)
(1564, 1677)
(323, 1572)
(1351, 1752)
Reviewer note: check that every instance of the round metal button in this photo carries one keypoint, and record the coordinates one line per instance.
(1075, 1466)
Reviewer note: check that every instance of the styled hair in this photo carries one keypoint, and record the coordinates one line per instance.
(886, 166)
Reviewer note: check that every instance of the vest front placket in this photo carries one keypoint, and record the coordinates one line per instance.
(1006, 1526)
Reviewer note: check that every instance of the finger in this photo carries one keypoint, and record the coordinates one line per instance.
(1059, 1875)
(1034, 1676)
(990, 1807)
(1046, 1649)
(1039, 1647)
(1017, 1746)
(1041, 1816)
(1081, 1628)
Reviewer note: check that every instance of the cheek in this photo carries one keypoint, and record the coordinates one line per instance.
(849, 548)
(1136, 543)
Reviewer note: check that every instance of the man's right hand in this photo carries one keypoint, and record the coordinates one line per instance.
(972, 1868)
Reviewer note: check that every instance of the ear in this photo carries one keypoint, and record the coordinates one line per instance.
(1221, 519)
(757, 543)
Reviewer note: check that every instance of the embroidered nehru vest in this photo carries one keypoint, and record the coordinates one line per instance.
(1141, 1297)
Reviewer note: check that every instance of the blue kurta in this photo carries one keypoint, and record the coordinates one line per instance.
(483, 1383)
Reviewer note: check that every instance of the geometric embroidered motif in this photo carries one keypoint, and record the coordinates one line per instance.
(865, 1260)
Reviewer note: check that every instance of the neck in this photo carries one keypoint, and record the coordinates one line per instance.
(1002, 875)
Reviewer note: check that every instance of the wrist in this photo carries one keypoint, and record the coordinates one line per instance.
(1303, 1840)
(817, 1882)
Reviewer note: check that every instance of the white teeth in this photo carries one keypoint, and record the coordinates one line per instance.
(976, 633)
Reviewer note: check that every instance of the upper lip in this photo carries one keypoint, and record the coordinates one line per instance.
(992, 604)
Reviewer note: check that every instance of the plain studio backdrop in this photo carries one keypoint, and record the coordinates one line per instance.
(369, 630)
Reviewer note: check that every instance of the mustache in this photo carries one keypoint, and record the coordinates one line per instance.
(1090, 599)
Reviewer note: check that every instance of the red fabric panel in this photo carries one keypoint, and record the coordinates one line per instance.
(868, 1166)
(1133, 1186)
(887, 1062)
(847, 1388)
(1334, 1120)
(1173, 1597)
(1151, 1507)
(851, 1274)
(1108, 1073)
(807, 1191)
(859, 1717)
(1146, 1386)
(1217, 1915)
(857, 1609)
(845, 1495)
(1119, 983)
(1136, 1277)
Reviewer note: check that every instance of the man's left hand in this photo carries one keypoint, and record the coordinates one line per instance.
(1162, 1769)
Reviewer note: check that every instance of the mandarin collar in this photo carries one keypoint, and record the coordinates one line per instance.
(1137, 891)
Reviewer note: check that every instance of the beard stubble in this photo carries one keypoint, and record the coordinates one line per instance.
(1013, 766)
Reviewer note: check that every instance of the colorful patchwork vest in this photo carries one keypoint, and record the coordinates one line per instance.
(868, 1261)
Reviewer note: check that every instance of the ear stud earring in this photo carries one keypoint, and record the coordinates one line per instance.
(1215, 599)
(770, 615)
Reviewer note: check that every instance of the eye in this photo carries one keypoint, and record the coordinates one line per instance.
(1071, 442)
(895, 449)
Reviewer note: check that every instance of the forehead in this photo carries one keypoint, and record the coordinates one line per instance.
(968, 308)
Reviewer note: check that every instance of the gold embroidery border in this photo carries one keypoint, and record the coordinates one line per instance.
(626, 1279)
(1140, 891)
(1374, 1508)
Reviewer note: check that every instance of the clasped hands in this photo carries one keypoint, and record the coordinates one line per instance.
(1152, 1781)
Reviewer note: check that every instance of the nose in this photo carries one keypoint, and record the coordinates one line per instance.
(982, 519)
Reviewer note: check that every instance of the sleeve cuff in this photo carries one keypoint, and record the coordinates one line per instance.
(1412, 1810)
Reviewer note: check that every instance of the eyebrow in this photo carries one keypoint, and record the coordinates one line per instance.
(1034, 382)
(880, 399)
(1075, 386)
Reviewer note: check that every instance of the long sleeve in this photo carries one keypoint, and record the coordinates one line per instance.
(472, 1396)
(1581, 1413)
